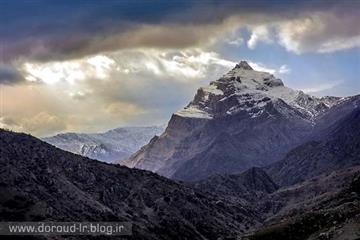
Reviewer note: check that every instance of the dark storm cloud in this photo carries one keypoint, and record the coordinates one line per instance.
(45, 30)
(9, 75)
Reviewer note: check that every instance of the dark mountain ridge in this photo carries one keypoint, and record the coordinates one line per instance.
(248, 185)
(338, 147)
(42, 183)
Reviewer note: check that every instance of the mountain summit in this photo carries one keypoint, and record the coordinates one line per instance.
(243, 65)
(244, 119)
(244, 89)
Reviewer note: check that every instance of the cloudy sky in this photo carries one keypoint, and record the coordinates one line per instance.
(89, 66)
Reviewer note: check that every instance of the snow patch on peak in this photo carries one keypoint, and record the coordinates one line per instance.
(212, 89)
(243, 65)
(246, 73)
(288, 95)
(252, 78)
(109, 146)
(193, 112)
(244, 89)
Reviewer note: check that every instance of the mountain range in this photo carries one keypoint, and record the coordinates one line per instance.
(244, 119)
(110, 146)
(247, 159)
(40, 182)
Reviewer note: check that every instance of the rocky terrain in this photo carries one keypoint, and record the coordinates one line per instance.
(324, 207)
(42, 183)
(110, 146)
(249, 186)
(338, 148)
(251, 114)
(39, 182)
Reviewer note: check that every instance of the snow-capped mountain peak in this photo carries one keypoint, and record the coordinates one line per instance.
(243, 65)
(247, 90)
(245, 118)
(113, 145)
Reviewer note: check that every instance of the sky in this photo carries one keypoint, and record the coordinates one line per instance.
(89, 66)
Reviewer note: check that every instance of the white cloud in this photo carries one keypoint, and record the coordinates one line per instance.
(339, 44)
(101, 65)
(41, 124)
(312, 31)
(261, 67)
(80, 94)
(236, 42)
(284, 69)
(180, 65)
(146, 74)
(320, 32)
(70, 71)
(127, 87)
(321, 87)
(9, 123)
(259, 34)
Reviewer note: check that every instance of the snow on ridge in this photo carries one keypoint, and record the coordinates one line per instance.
(250, 87)
(193, 112)
(212, 89)
(107, 146)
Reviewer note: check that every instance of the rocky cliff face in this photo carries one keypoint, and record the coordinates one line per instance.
(244, 119)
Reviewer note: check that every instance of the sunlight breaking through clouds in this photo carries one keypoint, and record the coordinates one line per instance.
(181, 65)
(68, 71)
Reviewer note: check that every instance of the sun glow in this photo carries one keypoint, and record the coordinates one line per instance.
(69, 71)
